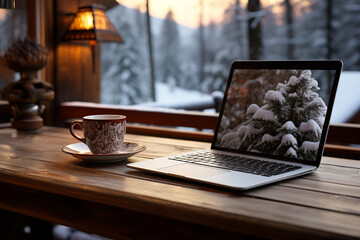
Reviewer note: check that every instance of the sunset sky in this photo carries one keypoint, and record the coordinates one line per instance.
(3, 13)
(186, 12)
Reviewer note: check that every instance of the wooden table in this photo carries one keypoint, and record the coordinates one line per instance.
(39, 180)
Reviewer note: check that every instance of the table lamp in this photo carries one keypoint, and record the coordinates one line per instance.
(91, 24)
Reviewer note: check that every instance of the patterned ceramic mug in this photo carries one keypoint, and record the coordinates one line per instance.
(103, 134)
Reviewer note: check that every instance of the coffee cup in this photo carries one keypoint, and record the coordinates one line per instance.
(103, 134)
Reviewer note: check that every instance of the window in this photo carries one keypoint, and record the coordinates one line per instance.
(194, 43)
(12, 28)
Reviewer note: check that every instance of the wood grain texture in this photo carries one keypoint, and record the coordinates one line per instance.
(344, 133)
(39, 180)
(139, 114)
(5, 109)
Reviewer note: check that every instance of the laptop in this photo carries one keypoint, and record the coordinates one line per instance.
(272, 126)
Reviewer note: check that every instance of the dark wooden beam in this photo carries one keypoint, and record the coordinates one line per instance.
(344, 133)
(143, 115)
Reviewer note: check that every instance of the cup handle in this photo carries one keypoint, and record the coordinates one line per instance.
(72, 125)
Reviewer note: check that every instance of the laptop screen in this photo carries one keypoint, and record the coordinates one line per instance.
(278, 109)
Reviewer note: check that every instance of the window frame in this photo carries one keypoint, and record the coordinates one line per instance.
(343, 139)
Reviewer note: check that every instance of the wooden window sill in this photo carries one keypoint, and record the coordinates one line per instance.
(341, 142)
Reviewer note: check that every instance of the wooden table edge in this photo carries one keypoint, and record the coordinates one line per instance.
(171, 208)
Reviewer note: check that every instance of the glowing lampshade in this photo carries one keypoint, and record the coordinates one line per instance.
(91, 23)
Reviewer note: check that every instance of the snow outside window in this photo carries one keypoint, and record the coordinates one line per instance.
(194, 43)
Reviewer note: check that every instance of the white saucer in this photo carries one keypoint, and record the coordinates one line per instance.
(80, 150)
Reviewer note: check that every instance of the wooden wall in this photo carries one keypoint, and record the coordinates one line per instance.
(74, 69)
(77, 69)
(77, 72)
(44, 30)
(78, 77)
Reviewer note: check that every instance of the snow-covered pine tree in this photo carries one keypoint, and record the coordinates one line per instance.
(124, 77)
(12, 29)
(249, 87)
(232, 47)
(246, 93)
(234, 31)
(347, 29)
(216, 72)
(169, 63)
(290, 122)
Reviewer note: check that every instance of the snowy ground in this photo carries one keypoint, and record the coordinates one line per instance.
(347, 101)
(171, 96)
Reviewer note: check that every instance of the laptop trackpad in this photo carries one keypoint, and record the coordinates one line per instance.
(192, 171)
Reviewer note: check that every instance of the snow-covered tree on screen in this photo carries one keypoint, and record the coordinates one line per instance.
(289, 123)
(249, 87)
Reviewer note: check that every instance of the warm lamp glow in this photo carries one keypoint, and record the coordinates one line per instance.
(83, 21)
(91, 23)
(101, 20)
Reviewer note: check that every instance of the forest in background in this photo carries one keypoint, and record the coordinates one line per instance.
(200, 58)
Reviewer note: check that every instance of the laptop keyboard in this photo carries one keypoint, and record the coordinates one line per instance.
(236, 163)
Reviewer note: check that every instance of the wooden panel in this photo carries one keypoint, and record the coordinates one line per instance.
(154, 116)
(4, 111)
(167, 132)
(77, 67)
(125, 223)
(46, 31)
(342, 151)
(13, 225)
(343, 140)
(324, 204)
(30, 11)
(345, 133)
(121, 224)
(76, 78)
(338, 133)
